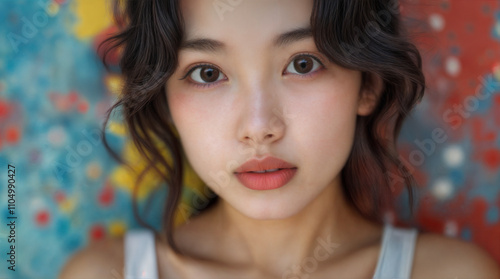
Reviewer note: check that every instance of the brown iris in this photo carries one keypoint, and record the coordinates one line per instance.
(209, 74)
(303, 64)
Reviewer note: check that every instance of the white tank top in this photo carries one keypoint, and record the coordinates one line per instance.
(395, 256)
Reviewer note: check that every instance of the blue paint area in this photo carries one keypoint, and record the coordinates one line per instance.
(466, 234)
(495, 30)
(492, 215)
(455, 50)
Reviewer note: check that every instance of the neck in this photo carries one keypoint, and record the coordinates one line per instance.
(324, 229)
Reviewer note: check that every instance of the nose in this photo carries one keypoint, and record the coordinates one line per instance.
(260, 122)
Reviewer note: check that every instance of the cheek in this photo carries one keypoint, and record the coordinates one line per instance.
(325, 129)
(331, 119)
(191, 118)
(182, 109)
(328, 110)
(200, 129)
(197, 112)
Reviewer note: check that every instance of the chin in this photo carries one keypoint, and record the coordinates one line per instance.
(269, 210)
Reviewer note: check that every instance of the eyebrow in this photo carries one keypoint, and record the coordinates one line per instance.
(282, 40)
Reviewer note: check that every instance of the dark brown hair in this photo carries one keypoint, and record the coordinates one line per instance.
(365, 35)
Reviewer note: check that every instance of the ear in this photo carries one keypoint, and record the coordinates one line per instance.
(369, 95)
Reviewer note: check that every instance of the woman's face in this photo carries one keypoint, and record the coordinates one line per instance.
(261, 96)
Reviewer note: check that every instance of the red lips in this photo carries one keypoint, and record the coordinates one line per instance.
(267, 163)
(273, 173)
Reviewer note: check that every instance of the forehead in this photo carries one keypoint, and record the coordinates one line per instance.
(250, 21)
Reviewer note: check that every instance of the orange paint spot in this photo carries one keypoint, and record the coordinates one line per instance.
(73, 97)
(59, 196)
(83, 107)
(61, 104)
(12, 135)
(42, 218)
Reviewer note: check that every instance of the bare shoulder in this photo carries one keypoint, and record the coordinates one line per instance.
(438, 256)
(100, 259)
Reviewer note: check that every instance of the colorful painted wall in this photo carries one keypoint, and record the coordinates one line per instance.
(54, 93)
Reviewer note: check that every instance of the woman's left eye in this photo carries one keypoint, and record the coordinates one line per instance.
(303, 64)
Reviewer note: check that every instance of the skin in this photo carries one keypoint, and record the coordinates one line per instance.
(234, 120)
(258, 108)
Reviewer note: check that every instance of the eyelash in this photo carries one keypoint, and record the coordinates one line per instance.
(208, 85)
(201, 85)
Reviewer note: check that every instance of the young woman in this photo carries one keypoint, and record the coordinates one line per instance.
(289, 111)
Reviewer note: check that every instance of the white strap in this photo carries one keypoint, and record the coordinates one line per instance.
(396, 255)
(140, 255)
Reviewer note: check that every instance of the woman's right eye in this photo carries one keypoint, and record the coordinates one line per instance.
(206, 74)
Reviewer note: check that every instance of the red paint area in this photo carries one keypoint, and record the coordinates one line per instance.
(113, 56)
(42, 218)
(83, 107)
(12, 135)
(59, 196)
(459, 38)
(106, 196)
(4, 109)
(72, 97)
(491, 158)
(69, 102)
(9, 123)
(97, 232)
(480, 134)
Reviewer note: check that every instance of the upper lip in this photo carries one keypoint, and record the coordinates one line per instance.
(267, 163)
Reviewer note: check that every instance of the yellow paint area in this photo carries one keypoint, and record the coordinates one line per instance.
(126, 178)
(53, 9)
(68, 205)
(496, 71)
(117, 128)
(114, 83)
(117, 228)
(92, 17)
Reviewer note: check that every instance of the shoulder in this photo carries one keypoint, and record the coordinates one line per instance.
(100, 259)
(438, 256)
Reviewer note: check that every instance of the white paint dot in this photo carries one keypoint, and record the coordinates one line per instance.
(451, 228)
(56, 136)
(452, 66)
(454, 156)
(442, 188)
(436, 21)
(36, 203)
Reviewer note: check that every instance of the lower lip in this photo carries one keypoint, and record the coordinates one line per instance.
(266, 181)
